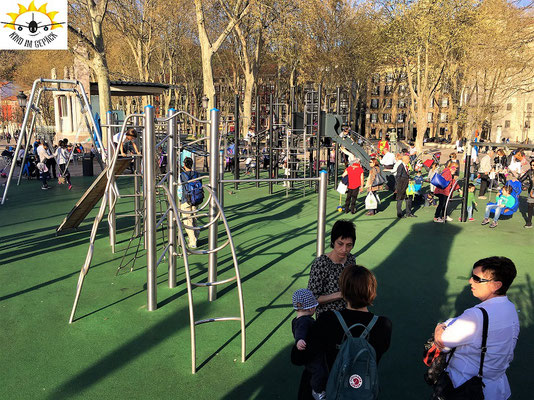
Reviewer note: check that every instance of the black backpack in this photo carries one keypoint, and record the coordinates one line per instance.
(193, 193)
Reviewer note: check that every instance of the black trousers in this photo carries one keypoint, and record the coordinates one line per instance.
(530, 211)
(408, 200)
(484, 183)
(350, 202)
(440, 209)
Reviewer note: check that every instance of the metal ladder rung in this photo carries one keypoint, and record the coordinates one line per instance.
(208, 284)
(204, 321)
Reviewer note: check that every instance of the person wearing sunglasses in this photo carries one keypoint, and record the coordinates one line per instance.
(490, 279)
(529, 175)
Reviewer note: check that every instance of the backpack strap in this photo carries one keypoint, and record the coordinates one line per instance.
(484, 340)
(343, 324)
(368, 328)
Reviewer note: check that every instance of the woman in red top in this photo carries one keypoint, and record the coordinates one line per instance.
(355, 174)
(448, 173)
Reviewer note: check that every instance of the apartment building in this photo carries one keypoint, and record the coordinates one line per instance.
(388, 109)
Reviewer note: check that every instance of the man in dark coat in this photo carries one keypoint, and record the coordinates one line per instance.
(401, 184)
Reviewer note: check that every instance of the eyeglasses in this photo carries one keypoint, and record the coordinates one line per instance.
(478, 279)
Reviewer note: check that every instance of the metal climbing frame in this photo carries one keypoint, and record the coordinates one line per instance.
(168, 185)
(33, 110)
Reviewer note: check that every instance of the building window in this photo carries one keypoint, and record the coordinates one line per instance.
(388, 103)
(402, 89)
(374, 118)
(402, 103)
(376, 90)
(386, 117)
(389, 77)
(388, 89)
(529, 106)
(400, 117)
(431, 103)
(509, 107)
(63, 109)
(403, 76)
(374, 103)
(444, 102)
(507, 123)
(430, 116)
(443, 117)
(527, 124)
(376, 78)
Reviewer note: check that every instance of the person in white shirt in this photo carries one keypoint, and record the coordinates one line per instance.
(388, 159)
(43, 155)
(490, 279)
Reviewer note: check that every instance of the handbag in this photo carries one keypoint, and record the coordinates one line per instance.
(439, 181)
(472, 389)
(379, 180)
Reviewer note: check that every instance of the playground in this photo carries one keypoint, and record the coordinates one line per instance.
(116, 348)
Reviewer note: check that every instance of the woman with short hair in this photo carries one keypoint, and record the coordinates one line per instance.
(326, 269)
(358, 288)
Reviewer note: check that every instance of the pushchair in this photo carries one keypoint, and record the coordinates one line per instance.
(5, 162)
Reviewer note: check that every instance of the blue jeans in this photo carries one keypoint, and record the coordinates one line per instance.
(497, 210)
(470, 212)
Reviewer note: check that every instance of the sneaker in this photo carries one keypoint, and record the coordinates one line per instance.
(449, 219)
(192, 246)
(318, 396)
(485, 221)
(471, 219)
(411, 216)
(494, 224)
(45, 187)
(482, 197)
(528, 226)
(70, 187)
(438, 220)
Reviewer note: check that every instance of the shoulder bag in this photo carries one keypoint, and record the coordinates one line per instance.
(439, 181)
(471, 389)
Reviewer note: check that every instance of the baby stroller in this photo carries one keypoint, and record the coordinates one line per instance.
(5, 162)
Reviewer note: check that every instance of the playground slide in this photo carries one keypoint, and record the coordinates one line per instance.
(92, 196)
(332, 127)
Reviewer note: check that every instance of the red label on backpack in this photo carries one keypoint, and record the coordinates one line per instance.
(355, 381)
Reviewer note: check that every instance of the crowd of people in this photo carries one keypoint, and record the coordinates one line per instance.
(413, 179)
(339, 294)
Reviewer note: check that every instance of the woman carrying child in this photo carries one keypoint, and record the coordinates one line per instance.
(326, 269)
(358, 288)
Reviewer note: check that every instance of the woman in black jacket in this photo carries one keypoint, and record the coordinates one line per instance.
(358, 288)
(529, 175)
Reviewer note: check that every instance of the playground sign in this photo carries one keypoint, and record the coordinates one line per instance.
(33, 25)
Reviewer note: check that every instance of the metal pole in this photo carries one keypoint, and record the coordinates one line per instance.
(336, 167)
(466, 182)
(321, 213)
(258, 122)
(138, 191)
(171, 218)
(111, 194)
(318, 144)
(236, 140)
(338, 100)
(19, 142)
(271, 139)
(291, 158)
(221, 177)
(212, 239)
(28, 135)
(149, 144)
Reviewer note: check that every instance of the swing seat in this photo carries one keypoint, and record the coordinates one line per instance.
(516, 191)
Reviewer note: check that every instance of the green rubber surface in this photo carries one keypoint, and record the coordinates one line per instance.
(117, 349)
